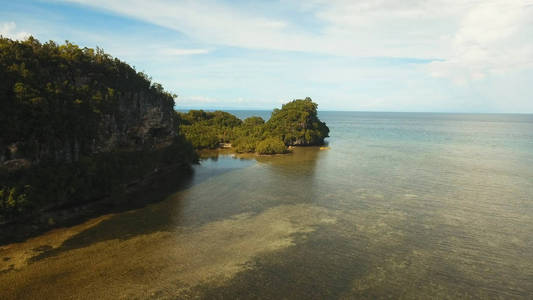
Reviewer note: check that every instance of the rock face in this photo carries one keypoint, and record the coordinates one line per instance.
(78, 126)
(140, 120)
(63, 102)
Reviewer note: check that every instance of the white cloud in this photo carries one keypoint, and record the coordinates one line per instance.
(479, 43)
(197, 100)
(218, 102)
(381, 28)
(206, 21)
(494, 38)
(413, 28)
(9, 30)
(170, 51)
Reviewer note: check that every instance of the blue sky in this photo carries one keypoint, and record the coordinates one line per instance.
(379, 55)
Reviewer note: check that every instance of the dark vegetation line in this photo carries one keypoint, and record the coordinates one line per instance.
(78, 125)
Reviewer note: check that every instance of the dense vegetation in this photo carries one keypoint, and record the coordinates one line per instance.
(271, 145)
(55, 95)
(73, 127)
(208, 129)
(52, 185)
(50, 91)
(296, 123)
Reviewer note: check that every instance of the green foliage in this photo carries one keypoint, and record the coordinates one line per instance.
(297, 123)
(51, 185)
(13, 201)
(201, 136)
(52, 92)
(253, 122)
(245, 144)
(208, 129)
(271, 145)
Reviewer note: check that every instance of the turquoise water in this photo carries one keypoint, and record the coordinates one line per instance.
(401, 205)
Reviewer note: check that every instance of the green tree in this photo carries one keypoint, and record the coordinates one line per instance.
(271, 145)
(53, 98)
(297, 123)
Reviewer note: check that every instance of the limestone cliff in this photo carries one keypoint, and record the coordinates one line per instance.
(78, 125)
(82, 103)
(141, 120)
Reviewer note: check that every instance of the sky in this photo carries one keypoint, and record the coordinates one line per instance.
(375, 55)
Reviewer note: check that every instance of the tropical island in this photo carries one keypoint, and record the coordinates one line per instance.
(295, 124)
(80, 126)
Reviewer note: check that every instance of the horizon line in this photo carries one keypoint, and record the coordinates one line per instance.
(358, 111)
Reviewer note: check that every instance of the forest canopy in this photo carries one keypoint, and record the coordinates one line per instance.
(296, 123)
(78, 125)
(55, 100)
(51, 91)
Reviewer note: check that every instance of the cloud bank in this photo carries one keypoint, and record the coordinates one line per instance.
(9, 29)
(412, 55)
(473, 38)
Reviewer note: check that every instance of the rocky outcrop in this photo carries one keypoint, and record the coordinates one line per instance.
(78, 126)
(139, 121)
(62, 102)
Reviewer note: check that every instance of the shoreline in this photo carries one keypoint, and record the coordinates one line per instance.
(229, 150)
(40, 222)
(156, 181)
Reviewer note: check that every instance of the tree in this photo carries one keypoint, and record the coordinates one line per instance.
(297, 123)
(271, 145)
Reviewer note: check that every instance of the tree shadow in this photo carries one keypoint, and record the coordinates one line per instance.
(158, 207)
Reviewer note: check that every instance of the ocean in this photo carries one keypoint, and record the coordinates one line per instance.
(398, 205)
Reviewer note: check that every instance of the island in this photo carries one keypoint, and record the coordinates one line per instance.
(295, 124)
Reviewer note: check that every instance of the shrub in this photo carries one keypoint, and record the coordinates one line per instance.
(13, 201)
(201, 136)
(51, 185)
(244, 145)
(271, 146)
(296, 123)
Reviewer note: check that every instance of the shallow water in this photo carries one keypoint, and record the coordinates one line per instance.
(401, 205)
